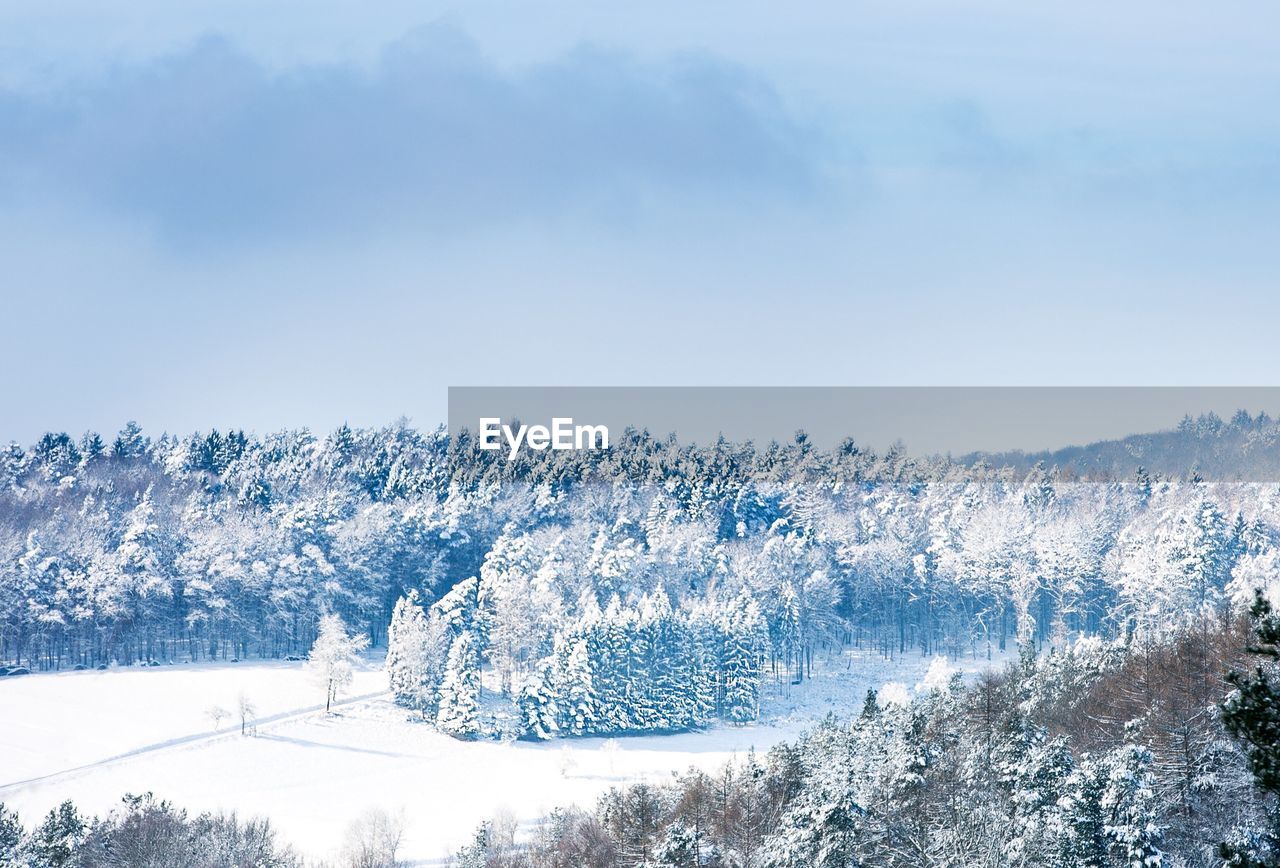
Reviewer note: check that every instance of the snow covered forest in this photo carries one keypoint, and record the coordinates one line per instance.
(650, 587)
(1101, 756)
(1104, 755)
(660, 588)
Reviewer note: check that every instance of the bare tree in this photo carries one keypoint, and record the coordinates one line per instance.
(373, 840)
(216, 713)
(247, 711)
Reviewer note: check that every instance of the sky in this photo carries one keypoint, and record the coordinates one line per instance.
(276, 214)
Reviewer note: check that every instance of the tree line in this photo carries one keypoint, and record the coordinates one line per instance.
(1041, 765)
(227, 545)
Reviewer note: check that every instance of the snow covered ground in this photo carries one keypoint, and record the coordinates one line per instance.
(94, 736)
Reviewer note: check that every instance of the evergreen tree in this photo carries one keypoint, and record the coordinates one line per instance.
(821, 830)
(56, 456)
(580, 705)
(414, 655)
(475, 854)
(11, 838)
(661, 680)
(742, 659)
(678, 849)
(54, 842)
(91, 448)
(1252, 714)
(130, 443)
(619, 667)
(870, 705)
(459, 711)
(1129, 804)
(1036, 770)
(1086, 844)
(459, 610)
(539, 708)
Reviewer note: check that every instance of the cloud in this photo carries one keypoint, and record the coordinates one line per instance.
(209, 145)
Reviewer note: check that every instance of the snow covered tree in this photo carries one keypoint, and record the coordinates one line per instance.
(580, 705)
(1251, 713)
(475, 854)
(246, 710)
(678, 848)
(333, 656)
(661, 676)
(618, 666)
(742, 659)
(1036, 771)
(11, 838)
(53, 843)
(459, 707)
(143, 566)
(515, 606)
(459, 610)
(1129, 805)
(821, 830)
(373, 840)
(417, 647)
(538, 704)
(130, 443)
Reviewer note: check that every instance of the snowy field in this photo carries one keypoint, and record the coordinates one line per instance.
(93, 736)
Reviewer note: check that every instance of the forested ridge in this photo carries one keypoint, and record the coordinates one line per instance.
(225, 545)
(653, 587)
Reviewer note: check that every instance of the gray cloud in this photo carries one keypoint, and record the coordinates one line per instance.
(210, 145)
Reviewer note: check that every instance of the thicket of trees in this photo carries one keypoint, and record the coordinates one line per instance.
(143, 832)
(146, 832)
(653, 586)
(225, 545)
(749, 559)
(1101, 756)
(629, 668)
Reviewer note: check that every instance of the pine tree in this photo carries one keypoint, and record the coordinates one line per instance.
(742, 660)
(11, 837)
(678, 849)
(459, 711)
(1129, 805)
(459, 610)
(701, 648)
(11, 465)
(870, 705)
(1086, 842)
(663, 679)
(579, 706)
(539, 708)
(130, 443)
(54, 842)
(1035, 771)
(820, 830)
(414, 655)
(1252, 714)
(475, 854)
(619, 674)
(91, 448)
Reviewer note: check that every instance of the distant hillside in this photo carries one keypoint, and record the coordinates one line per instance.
(1247, 448)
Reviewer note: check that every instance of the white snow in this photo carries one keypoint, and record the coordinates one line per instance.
(313, 774)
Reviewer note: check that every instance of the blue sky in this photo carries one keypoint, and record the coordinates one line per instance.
(269, 214)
